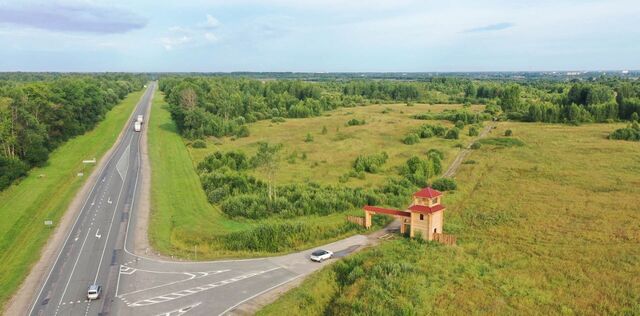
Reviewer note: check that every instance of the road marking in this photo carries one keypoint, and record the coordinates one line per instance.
(260, 293)
(179, 294)
(97, 233)
(129, 271)
(111, 224)
(122, 166)
(180, 311)
(74, 266)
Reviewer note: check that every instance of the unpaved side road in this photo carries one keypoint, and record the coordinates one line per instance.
(20, 303)
(453, 168)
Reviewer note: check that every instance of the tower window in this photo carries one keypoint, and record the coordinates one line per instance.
(421, 217)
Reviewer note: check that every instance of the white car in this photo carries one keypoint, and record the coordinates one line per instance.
(321, 255)
(94, 292)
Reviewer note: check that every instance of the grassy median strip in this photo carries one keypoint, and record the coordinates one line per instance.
(45, 195)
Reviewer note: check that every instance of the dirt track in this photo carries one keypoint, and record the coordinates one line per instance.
(453, 168)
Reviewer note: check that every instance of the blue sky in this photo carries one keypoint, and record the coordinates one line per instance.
(318, 35)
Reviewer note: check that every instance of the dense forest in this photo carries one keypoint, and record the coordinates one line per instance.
(38, 112)
(220, 106)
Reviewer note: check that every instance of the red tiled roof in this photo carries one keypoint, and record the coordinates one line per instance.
(386, 211)
(427, 192)
(426, 209)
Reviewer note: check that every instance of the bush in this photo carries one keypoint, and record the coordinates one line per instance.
(324, 130)
(418, 171)
(631, 133)
(278, 119)
(370, 163)
(635, 117)
(354, 122)
(444, 184)
(428, 130)
(476, 145)
(199, 143)
(243, 131)
(10, 170)
(473, 131)
(309, 138)
(453, 133)
(411, 139)
(459, 124)
(508, 132)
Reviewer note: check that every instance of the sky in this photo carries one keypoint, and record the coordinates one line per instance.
(318, 35)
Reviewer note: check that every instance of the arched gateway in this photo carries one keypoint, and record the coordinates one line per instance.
(425, 216)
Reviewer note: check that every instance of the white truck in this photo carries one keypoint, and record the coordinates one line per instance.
(140, 118)
(137, 126)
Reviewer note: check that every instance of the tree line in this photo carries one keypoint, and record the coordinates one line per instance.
(38, 116)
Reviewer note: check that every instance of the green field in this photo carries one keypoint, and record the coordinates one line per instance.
(45, 195)
(331, 155)
(550, 227)
(180, 225)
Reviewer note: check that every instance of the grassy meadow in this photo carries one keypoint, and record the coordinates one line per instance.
(178, 225)
(332, 154)
(549, 227)
(46, 193)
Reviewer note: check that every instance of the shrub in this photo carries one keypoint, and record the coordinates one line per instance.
(309, 138)
(453, 133)
(411, 139)
(635, 117)
(428, 130)
(476, 145)
(199, 143)
(418, 171)
(354, 122)
(444, 184)
(370, 163)
(473, 131)
(631, 133)
(10, 170)
(278, 119)
(508, 132)
(243, 131)
(469, 162)
(459, 124)
(324, 130)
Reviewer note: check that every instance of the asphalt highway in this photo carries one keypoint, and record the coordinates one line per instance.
(97, 251)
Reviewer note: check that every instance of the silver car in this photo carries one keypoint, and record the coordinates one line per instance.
(321, 255)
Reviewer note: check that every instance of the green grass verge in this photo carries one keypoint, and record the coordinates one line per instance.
(45, 194)
(547, 228)
(181, 217)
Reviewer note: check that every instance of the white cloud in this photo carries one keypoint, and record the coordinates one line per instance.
(211, 22)
(171, 43)
(195, 35)
(210, 37)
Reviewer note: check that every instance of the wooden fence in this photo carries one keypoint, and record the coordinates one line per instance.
(356, 220)
(448, 240)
